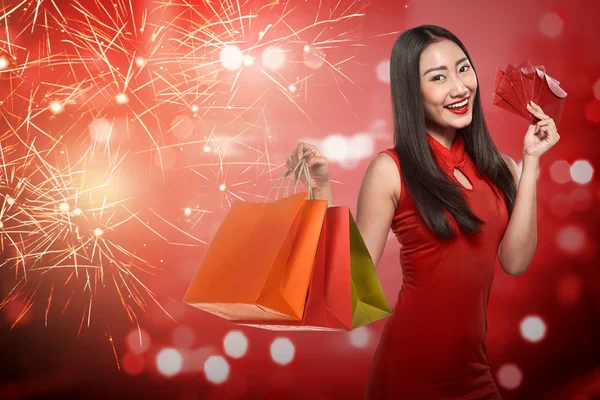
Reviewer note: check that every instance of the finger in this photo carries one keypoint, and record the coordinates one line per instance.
(316, 161)
(544, 122)
(538, 112)
(548, 125)
(547, 122)
(545, 132)
(534, 112)
(304, 148)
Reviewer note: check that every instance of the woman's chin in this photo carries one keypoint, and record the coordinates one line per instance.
(462, 122)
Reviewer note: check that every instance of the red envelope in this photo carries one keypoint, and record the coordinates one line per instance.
(528, 75)
(516, 81)
(552, 99)
(497, 98)
(538, 81)
(507, 91)
(517, 86)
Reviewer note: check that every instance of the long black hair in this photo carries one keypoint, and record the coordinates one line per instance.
(429, 187)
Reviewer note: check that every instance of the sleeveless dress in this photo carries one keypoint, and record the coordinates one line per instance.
(433, 346)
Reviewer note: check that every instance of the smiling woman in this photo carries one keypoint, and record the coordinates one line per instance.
(430, 65)
(456, 194)
(450, 198)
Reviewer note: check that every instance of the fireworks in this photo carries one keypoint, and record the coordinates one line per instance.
(102, 103)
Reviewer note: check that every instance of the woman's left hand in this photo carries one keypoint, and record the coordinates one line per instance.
(542, 136)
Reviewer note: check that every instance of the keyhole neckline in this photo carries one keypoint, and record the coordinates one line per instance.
(449, 159)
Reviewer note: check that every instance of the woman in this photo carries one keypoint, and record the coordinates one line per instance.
(451, 199)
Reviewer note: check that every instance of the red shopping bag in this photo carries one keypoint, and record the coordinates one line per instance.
(344, 292)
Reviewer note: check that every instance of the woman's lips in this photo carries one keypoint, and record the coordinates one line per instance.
(459, 111)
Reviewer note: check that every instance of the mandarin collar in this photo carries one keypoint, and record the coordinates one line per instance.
(451, 158)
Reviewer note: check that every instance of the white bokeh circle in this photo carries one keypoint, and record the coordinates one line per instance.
(169, 362)
(282, 351)
(360, 337)
(533, 328)
(235, 344)
(216, 369)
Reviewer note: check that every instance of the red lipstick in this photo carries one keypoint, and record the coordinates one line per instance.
(461, 110)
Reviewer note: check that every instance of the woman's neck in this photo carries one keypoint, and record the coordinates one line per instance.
(445, 136)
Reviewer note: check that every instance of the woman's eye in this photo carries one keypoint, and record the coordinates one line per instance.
(466, 68)
(435, 78)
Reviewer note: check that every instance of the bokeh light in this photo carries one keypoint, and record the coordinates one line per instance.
(383, 71)
(216, 369)
(138, 341)
(509, 376)
(4, 63)
(582, 172)
(101, 130)
(313, 58)
(122, 98)
(235, 344)
(560, 171)
(551, 25)
(56, 107)
(133, 364)
(273, 58)
(64, 207)
(282, 351)
(571, 239)
(360, 337)
(532, 328)
(231, 58)
(169, 362)
(197, 358)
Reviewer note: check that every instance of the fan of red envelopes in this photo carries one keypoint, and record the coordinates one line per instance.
(515, 87)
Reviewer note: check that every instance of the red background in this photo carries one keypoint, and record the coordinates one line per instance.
(67, 359)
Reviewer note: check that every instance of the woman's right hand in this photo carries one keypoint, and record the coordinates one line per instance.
(317, 165)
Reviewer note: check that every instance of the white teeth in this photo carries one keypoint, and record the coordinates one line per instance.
(459, 105)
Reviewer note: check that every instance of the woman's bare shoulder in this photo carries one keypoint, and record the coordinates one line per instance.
(389, 174)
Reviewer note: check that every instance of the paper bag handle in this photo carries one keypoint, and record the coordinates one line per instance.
(303, 168)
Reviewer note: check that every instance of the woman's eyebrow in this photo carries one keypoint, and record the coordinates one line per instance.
(443, 67)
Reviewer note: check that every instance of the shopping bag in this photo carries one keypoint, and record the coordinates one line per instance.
(260, 261)
(344, 292)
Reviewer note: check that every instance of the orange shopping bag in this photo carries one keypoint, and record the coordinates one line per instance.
(344, 292)
(260, 261)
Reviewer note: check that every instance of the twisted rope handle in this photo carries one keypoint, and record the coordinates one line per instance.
(303, 169)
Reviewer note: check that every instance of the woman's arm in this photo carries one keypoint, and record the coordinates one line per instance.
(376, 203)
(518, 245)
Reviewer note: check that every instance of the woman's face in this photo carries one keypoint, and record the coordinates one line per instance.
(447, 78)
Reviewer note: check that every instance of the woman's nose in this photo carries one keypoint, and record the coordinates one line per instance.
(459, 88)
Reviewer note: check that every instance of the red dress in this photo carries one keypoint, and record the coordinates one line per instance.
(433, 346)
